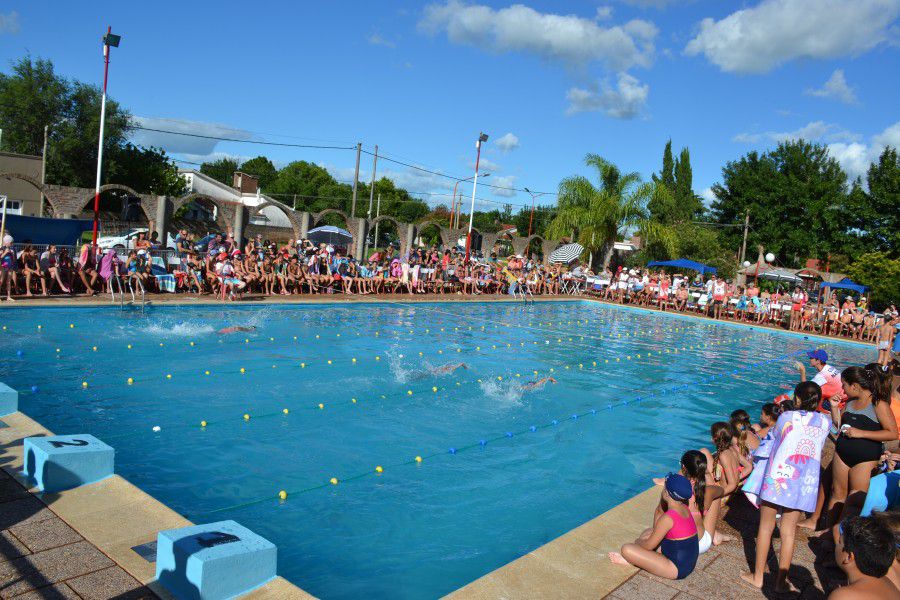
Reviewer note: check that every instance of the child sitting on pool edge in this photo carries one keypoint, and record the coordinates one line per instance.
(674, 533)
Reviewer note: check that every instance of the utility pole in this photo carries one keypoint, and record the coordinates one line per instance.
(355, 179)
(44, 168)
(744, 244)
(378, 214)
(371, 197)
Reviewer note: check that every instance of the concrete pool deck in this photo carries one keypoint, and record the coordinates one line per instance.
(79, 543)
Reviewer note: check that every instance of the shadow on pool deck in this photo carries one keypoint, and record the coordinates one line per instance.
(42, 557)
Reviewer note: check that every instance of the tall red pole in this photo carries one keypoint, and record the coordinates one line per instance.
(531, 218)
(453, 205)
(100, 148)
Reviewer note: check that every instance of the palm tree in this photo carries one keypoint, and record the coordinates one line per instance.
(596, 217)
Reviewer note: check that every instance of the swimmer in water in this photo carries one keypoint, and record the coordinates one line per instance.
(536, 385)
(449, 368)
(235, 329)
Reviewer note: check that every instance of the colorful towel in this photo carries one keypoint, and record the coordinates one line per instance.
(166, 283)
(790, 475)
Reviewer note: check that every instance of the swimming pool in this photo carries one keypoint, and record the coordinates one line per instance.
(417, 529)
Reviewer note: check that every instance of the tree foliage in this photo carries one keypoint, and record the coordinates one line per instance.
(32, 95)
(795, 196)
(875, 215)
(599, 216)
(881, 273)
(681, 204)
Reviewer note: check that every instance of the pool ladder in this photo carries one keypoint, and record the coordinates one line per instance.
(116, 282)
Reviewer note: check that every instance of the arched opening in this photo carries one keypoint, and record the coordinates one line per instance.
(331, 216)
(275, 220)
(503, 245)
(120, 211)
(383, 235)
(200, 215)
(429, 235)
(535, 248)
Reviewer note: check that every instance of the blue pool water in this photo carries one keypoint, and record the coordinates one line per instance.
(417, 530)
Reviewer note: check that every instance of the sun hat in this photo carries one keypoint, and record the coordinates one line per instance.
(678, 487)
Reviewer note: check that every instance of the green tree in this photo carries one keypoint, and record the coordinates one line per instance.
(796, 197)
(876, 215)
(222, 170)
(667, 174)
(32, 95)
(688, 205)
(881, 273)
(262, 168)
(30, 98)
(599, 216)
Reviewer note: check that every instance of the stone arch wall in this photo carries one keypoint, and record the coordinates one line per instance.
(444, 232)
(317, 217)
(148, 202)
(224, 215)
(292, 215)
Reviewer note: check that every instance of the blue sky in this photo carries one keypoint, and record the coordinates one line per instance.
(549, 81)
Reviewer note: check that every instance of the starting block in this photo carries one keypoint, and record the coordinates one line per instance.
(63, 462)
(215, 561)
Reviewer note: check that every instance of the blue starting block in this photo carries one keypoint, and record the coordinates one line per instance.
(215, 561)
(9, 400)
(63, 462)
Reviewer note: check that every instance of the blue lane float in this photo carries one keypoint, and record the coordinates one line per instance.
(9, 400)
(63, 462)
(215, 561)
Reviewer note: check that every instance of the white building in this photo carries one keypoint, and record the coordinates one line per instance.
(245, 190)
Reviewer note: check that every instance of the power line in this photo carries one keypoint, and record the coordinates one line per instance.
(225, 139)
(327, 147)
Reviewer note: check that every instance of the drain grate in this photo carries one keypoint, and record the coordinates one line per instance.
(146, 551)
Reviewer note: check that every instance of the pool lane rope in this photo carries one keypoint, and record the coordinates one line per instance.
(378, 470)
(593, 366)
(133, 378)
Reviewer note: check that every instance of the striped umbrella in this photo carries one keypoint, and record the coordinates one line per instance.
(567, 253)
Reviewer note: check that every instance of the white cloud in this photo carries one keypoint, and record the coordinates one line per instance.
(570, 39)
(836, 87)
(708, 196)
(856, 157)
(378, 40)
(813, 131)
(604, 13)
(182, 144)
(507, 181)
(625, 101)
(485, 165)
(9, 22)
(507, 142)
(758, 39)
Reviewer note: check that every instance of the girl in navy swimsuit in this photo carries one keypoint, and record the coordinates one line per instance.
(674, 533)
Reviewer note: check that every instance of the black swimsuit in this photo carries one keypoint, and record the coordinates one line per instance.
(854, 451)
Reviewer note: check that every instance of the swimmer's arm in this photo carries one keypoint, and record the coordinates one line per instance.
(835, 411)
(660, 529)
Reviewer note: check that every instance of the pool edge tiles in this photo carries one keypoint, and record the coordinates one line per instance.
(574, 565)
(113, 514)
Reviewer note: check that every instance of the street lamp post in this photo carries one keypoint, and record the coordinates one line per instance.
(482, 137)
(533, 196)
(110, 40)
(454, 207)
